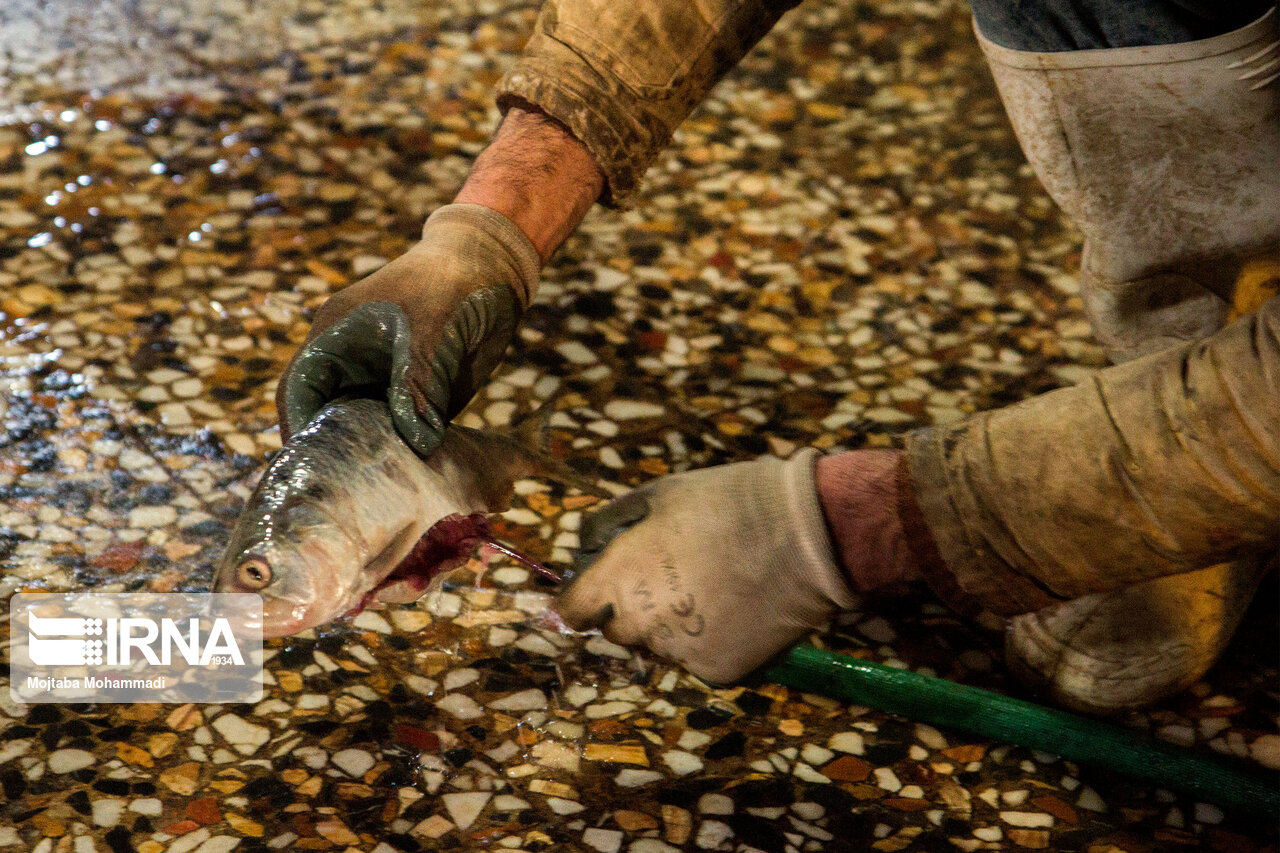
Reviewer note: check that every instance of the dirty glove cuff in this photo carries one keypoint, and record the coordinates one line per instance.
(812, 560)
(502, 241)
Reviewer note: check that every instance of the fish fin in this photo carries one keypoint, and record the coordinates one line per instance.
(532, 434)
(400, 592)
(559, 472)
(525, 446)
(532, 430)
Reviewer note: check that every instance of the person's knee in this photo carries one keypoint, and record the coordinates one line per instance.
(1058, 25)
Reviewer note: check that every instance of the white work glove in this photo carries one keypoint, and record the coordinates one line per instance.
(718, 569)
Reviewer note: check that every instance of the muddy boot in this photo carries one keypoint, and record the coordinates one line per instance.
(1118, 650)
(1165, 157)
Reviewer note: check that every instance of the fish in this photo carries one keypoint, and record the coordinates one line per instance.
(347, 513)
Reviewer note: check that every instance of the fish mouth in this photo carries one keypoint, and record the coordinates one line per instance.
(287, 621)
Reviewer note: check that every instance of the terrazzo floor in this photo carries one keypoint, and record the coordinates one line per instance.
(841, 244)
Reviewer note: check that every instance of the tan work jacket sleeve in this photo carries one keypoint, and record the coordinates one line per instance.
(623, 74)
(1162, 465)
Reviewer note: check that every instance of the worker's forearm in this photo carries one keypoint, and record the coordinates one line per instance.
(538, 176)
(623, 75)
(1158, 466)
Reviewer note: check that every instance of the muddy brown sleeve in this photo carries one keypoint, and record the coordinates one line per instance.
(623, 74)
(1162, 465)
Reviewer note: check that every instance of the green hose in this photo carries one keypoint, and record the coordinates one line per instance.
(992, 715)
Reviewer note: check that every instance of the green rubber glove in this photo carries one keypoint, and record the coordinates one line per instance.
(425, 331)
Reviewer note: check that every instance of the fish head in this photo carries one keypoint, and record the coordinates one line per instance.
(292, 549)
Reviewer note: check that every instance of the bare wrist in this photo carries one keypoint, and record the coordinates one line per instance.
(858, 492)
(538, 176)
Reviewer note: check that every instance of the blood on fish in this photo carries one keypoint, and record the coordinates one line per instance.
(445, 546)
(448, 544)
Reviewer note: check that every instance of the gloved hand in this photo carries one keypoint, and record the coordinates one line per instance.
(425, 330)
(718, 569)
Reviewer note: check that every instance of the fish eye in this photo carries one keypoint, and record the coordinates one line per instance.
(254, 573)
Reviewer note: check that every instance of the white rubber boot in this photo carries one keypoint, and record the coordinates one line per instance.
(1168, 160)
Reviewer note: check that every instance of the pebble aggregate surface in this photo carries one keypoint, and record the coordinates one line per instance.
(841, 244)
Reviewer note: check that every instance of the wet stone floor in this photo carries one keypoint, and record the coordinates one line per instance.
(843, 243)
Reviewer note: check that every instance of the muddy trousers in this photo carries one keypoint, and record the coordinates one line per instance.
(1164, 156)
